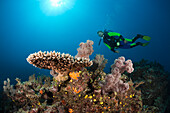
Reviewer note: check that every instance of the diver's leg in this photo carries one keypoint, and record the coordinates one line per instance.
(137, 37)
(135, 44)
(139, 43)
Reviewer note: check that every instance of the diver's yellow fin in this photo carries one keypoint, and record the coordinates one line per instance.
(145, 44)
(147, 38)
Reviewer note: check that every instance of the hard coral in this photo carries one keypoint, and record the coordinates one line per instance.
(62, 63)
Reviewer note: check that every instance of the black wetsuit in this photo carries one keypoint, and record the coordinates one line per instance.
(115, 40)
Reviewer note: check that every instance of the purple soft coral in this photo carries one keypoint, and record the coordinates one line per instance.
(112, 81)
(85, 49)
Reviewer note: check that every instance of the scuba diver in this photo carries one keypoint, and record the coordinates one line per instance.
(115, 40)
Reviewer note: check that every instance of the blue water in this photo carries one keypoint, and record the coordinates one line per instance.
(25, 28)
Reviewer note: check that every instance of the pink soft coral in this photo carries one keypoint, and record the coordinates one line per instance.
(85, 49)
(112, 81)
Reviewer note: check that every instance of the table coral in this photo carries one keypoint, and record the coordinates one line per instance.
(61, 64)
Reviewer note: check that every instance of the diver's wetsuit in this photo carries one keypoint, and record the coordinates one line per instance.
(115, 40)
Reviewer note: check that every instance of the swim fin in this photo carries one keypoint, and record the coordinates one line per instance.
(147, 38)
(145, 44)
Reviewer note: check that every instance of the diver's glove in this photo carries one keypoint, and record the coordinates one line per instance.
(115, 51)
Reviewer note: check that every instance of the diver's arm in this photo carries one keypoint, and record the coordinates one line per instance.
(112, 49)
(115, 51)
(121, 37)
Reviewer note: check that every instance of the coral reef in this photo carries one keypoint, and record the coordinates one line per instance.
(155, 87)
(96, 70)
(8, 89)
(78, 86)
(76, 94)
(29, 94)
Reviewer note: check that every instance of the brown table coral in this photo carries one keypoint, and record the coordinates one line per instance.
(61, 64)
